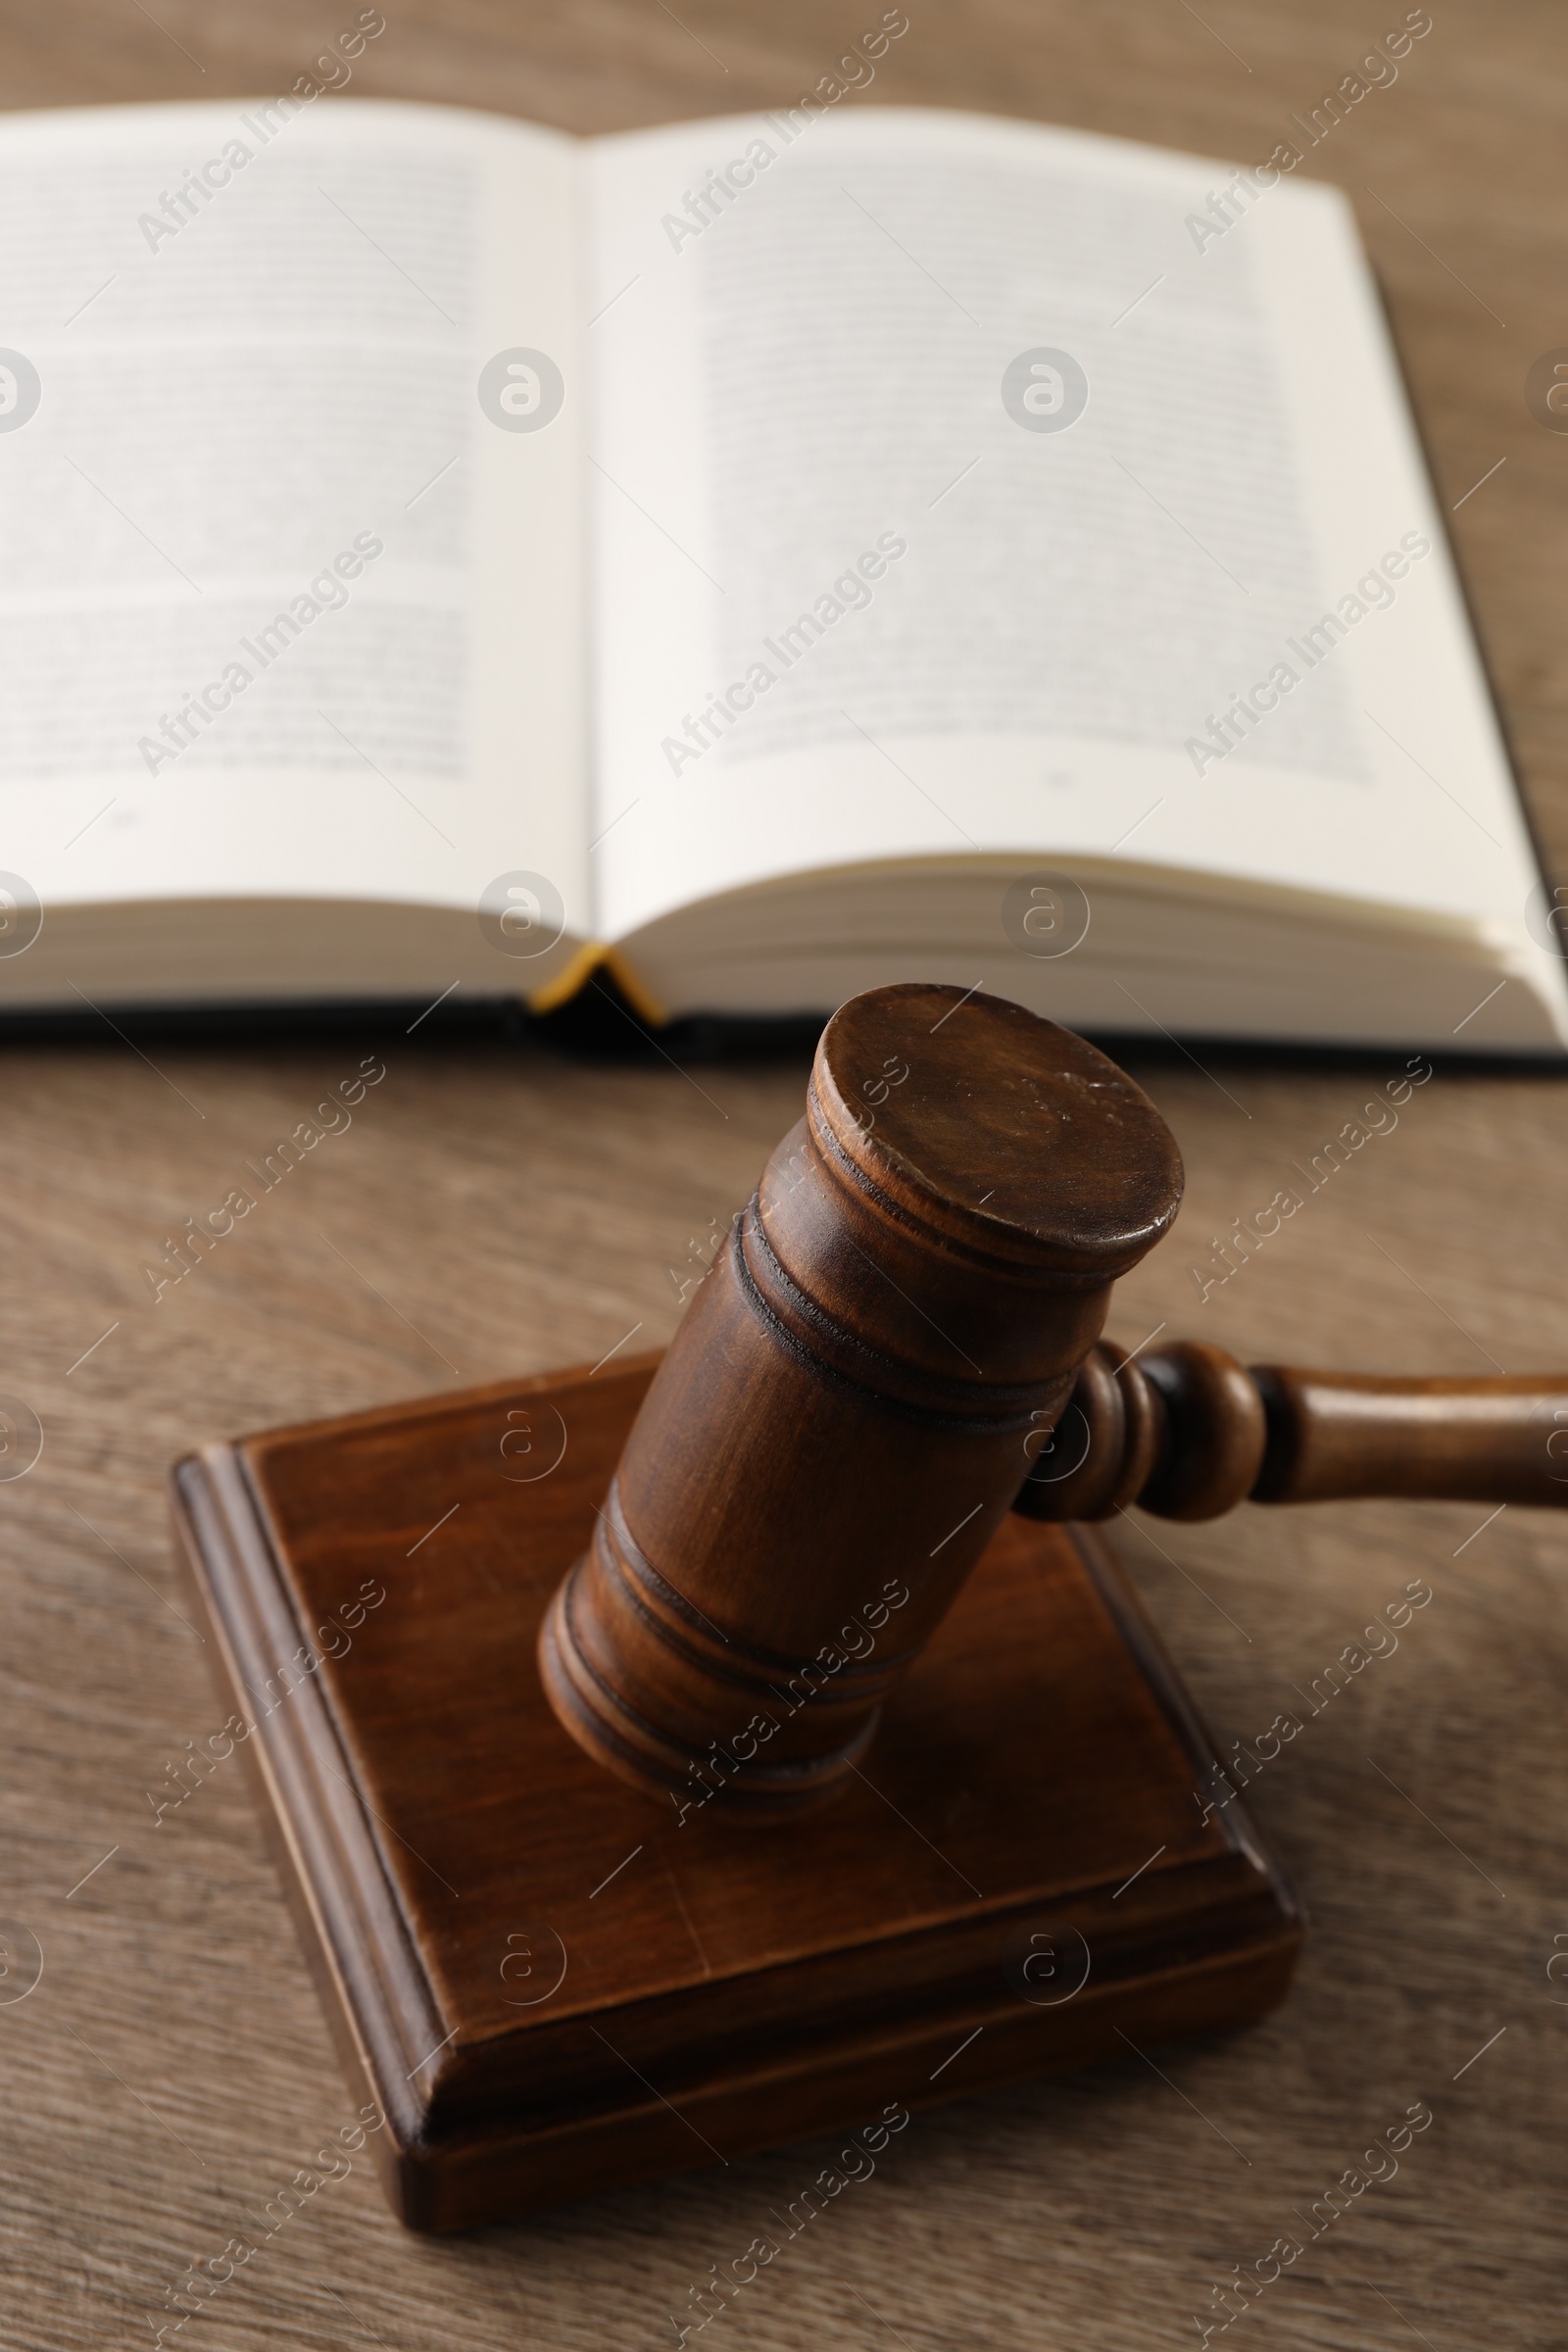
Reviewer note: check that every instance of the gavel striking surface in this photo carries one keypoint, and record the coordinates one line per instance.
(1028, 1807)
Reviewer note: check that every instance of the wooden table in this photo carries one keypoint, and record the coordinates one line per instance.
(495, 1212)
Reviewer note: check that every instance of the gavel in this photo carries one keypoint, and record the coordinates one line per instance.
(899, 1343)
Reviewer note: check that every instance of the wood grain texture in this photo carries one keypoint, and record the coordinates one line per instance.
(544, 1984)
(171, 2070)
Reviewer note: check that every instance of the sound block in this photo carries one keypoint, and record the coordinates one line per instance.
(548, 1984)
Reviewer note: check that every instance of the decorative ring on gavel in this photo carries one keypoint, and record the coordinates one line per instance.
(1187, 1432)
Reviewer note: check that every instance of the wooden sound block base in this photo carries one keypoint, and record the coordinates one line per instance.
(551, 1986)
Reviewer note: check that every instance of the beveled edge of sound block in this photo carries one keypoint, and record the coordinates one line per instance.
(1208, 1945)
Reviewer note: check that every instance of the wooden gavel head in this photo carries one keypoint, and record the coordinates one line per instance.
(899, 1343)
(857, 1389)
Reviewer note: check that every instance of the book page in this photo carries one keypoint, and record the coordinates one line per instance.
(952, 495)
(287, 610)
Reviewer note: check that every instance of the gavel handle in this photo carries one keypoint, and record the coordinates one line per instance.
(1187, 1432)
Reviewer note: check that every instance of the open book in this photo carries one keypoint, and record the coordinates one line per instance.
(774, 555)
